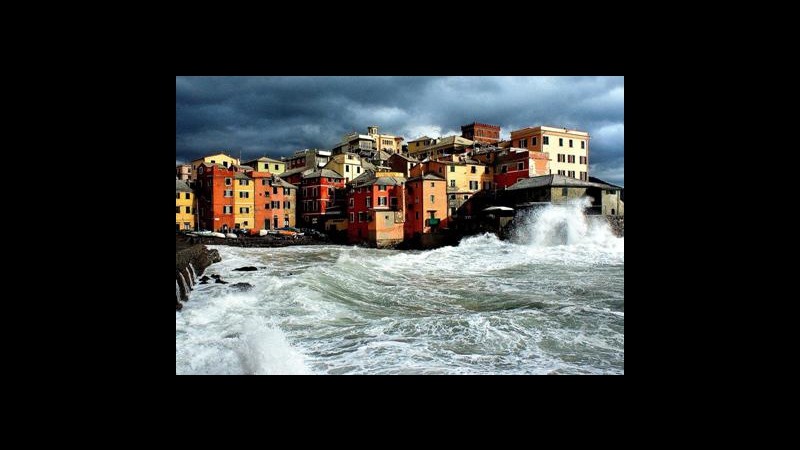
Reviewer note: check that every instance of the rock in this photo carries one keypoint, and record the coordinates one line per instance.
(204, 278)
(203, 282)
(242, 286)
(245, 269)
(219, 281)
(215, 276)
(178, 306)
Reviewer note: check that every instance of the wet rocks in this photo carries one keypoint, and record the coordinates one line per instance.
(219, 281)
(243, 287)
(245, 269)
(199, 257)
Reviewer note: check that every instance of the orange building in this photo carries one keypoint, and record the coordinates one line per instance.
(215, 200)
(318, 194)
(275, 203)
(426, 204)
(375, 209)
(516, 164)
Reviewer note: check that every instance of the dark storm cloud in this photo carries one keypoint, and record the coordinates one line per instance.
(275, 116)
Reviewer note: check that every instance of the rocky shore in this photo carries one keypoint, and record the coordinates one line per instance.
(617, 224)
(191, 260)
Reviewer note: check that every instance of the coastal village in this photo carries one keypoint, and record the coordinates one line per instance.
(373, 189)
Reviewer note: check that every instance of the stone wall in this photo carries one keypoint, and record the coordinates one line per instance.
(200, 257)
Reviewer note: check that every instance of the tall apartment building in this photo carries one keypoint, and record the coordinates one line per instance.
(184, 206)
(217, 158)
(568, 149)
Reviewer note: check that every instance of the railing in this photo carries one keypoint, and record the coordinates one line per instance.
(432, 222)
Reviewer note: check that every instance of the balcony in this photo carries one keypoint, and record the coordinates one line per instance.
(432, 222)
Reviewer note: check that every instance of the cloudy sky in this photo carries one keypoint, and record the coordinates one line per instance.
(275, 116)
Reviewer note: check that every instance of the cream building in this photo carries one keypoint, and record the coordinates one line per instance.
(243, 201)
(266, 164)
(348, 164)
(568, 149)
(386, 142)
(217, 158)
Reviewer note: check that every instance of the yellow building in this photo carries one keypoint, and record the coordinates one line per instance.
(346, 164)
(463, 178)
(568, 149)
(243, 202)
(386, 142)
(217, 158)
(445, 146)
(184, 206)
(265, 164)
(419, 143)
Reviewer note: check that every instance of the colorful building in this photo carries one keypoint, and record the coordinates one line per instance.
(386, 142)
(426, 205)
(514, 164)
(265, 164)
(184, 206)
(183, 171)
(463, 176)
(375, 209)
(401, 163)
(308, 158)
(481, 132)
(215, 198)
(318, 194)
(348, 164)
(275, 201)
(217, 158)
(419, 143)
(243, 203)
(449, 145)
(568, 149)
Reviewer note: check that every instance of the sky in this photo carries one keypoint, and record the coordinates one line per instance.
(276, 116)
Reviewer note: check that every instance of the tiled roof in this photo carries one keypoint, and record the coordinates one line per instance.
(182, 186)
(324, 173)
(554, 181)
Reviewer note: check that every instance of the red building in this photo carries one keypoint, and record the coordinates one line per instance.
(318, 194)
(215, 197)
(375, 209)
(516, 164)
(481, 132)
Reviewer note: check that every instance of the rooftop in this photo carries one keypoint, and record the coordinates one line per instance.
(554, 181)
(182, 186)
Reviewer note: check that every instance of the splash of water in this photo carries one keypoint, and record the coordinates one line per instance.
(194, 274)
(264, 350)
(561, 224)
(183, 284)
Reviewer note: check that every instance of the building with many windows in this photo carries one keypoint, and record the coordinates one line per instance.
(265, 164)
(318, 195)
(481, 132)
(375, 209)
(215, 197)
(217, 158)
(243, 198)
(184, 206)
(426, 204)
(568, 149)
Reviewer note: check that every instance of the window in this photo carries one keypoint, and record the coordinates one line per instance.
(523, 143)
(244, 182)
(381, 201)
(452, 196)
(473, 169)
(274, 189)
(440, 169)
(188, 210)
(583, 144)
(564, 192)
(225, 163)
(473, 185)
(358, 169)
(570, 158)
(486, 169)
(177, 210)
(520, 166)
(432, 184)
(227, 209)
(188, 195)
(177, 195)
(487, 185)
(288, 204)
(393, 202)
(533, 141)
(263, 181)
(228, 193)
(452, 183)
(583, 176)
(433, 198)
(560, 142)
(276, 167)
(346, 168)
(266, 205)
(244, 223)
(561, 157)
(244, 210)
(369, 202)
(213, 162)
(244, 195)
(503, 168)
(360, 216)
(562, 172)
(228, 181)
(352, 217)
(352, 202)
(571, 174)
(417, 214)
(545, 140)
(583, 159)
(452, 211)
(186, 226)
(382, 188)
(432, 214)
(330, 192)
(466, 197)
(570, 142)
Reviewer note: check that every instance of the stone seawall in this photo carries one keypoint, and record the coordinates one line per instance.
(617, 224)
(190, 262)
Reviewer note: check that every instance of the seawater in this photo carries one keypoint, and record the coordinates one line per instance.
(550, 300)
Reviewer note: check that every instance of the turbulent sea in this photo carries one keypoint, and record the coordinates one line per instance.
(550, 300)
